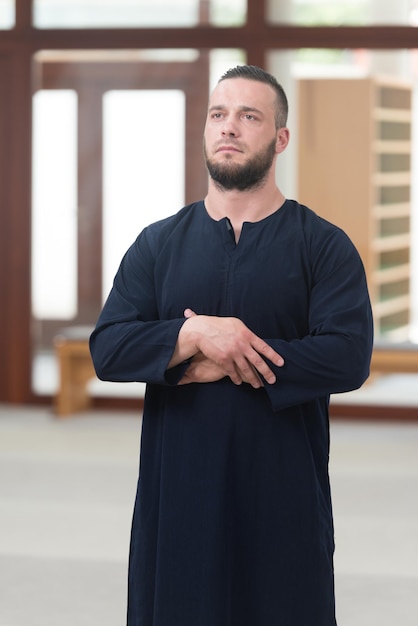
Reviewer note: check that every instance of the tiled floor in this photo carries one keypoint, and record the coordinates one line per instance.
(66, 496)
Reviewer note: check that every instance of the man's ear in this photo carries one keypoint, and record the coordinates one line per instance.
(282, 140)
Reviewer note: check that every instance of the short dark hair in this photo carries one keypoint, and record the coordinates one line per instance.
(252, 72)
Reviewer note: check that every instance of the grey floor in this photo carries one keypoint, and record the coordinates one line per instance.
(66, 495)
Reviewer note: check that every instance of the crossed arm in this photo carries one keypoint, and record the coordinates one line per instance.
(223, 346)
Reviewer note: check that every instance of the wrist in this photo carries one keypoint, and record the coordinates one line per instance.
(185, 347)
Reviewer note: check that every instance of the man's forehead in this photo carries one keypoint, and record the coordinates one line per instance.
(248, 93)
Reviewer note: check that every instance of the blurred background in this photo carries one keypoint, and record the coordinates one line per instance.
(102, 107)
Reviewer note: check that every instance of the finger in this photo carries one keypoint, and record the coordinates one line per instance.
(261, 367)
(248, 377)
(234, 375)
(252, 376)
(267, 352)
(247, 370)
(231, 370)
(189, 313)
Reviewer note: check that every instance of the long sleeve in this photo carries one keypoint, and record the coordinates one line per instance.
(335, 355)
(130, 341)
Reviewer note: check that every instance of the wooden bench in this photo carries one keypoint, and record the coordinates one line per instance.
(75, 370)
(390, 358)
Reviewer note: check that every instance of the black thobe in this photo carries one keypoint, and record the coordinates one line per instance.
(233, 523)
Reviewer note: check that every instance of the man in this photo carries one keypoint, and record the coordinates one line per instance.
(243, 313)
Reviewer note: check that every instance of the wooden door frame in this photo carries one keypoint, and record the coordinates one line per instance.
(91, 80)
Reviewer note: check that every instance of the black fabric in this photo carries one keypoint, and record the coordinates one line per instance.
(233, 521)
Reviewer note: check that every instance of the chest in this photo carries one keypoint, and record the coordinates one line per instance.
(264, 280)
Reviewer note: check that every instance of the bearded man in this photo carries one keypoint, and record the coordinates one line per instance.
(242, 313)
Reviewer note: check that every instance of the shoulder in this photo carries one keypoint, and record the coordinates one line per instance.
(308, 219)
(327, 246)
(167, 225)
(316, 230)
(157, 234)
(152, 240)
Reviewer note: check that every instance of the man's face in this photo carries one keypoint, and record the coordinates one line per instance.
(240, 139)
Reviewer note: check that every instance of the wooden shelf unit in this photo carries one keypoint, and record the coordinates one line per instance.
(355, 171)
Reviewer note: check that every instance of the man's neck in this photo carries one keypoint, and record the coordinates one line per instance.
(243, 206)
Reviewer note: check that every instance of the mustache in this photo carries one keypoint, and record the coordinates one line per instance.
(230, 142)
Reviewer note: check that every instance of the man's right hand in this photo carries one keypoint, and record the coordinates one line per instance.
(230, 345)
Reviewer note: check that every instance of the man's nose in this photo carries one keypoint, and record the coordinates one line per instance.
(229, 128)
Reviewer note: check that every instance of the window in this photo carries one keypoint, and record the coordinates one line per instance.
(54, 205)
(7, 14)
(147, 183)
(343, 12)
(135, 13)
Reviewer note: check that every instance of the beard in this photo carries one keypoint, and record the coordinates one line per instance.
(242, 177)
